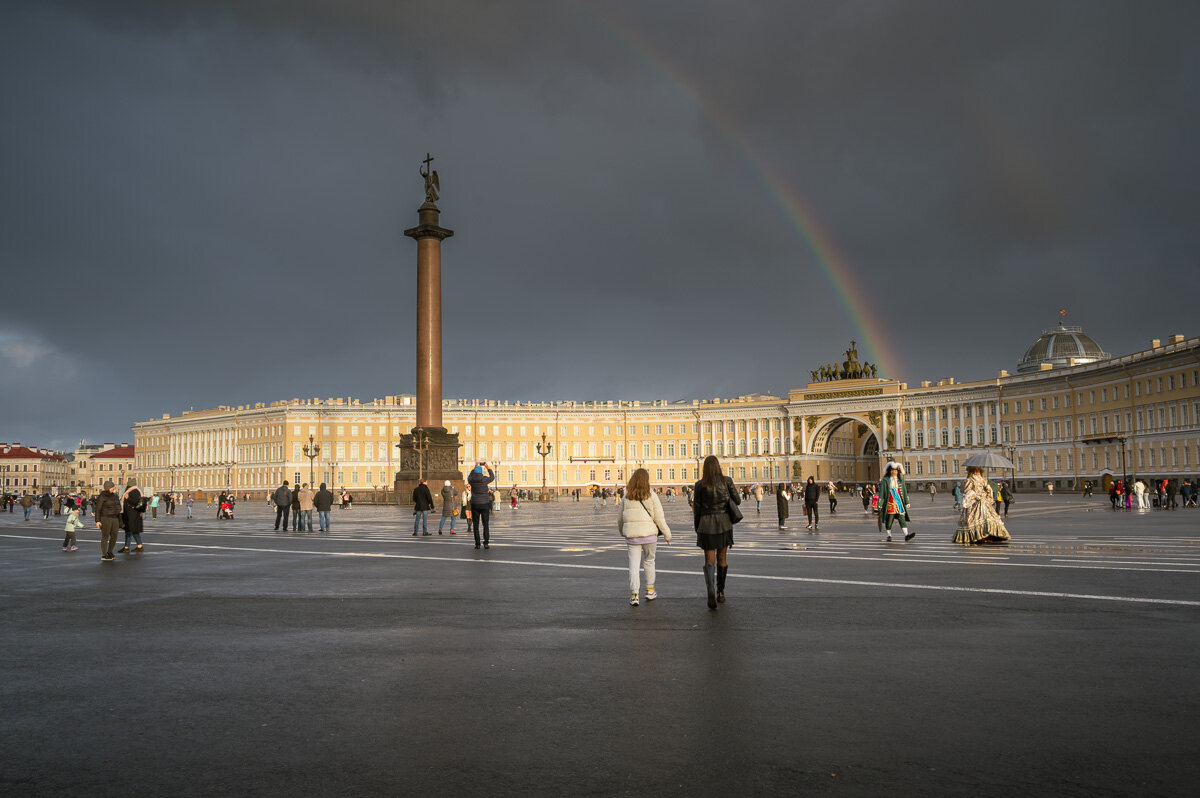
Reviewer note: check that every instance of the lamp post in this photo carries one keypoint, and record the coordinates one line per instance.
(420, 445)
(312, 451)
(1012, 457)
(543, 449)
(333, 471)
(1124, 476)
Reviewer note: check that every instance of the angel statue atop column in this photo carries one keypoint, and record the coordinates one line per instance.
(431, 180)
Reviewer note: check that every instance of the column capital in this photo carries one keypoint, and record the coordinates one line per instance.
(429, 231)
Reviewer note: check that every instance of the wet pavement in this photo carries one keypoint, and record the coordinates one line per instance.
(229, 658)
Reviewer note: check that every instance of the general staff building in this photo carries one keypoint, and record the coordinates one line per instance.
(1070, 413)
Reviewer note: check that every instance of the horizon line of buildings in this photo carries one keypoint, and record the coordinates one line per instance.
(1072, 413)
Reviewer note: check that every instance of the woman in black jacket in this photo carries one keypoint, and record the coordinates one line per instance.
(812, 495)
(714, 527)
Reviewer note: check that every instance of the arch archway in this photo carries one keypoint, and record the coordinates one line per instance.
(864, 456)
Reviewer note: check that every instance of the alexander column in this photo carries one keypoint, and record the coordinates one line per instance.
(428, 450)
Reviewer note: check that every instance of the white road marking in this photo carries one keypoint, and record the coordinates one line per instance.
(799, 579)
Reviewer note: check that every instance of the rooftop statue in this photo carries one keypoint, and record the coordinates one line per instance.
(850, 368)
(431, 180)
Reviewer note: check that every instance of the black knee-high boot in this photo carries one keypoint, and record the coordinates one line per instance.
(721, 571)
(710, 585)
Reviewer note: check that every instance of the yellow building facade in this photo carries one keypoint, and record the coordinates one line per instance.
(1061, 422)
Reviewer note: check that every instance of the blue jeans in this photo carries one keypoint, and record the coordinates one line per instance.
(28, 510)
(421, 519)
(306, 520)
(442, 523)
(323, 519)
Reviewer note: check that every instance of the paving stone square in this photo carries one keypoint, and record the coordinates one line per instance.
(232, 659)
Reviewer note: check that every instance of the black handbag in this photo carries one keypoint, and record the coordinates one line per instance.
(731, 507)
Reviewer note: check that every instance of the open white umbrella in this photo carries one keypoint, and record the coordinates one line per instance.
(988, 460)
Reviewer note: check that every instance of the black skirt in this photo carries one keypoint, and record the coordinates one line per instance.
(721, 540)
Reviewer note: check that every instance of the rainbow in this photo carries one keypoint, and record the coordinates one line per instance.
(875, 344)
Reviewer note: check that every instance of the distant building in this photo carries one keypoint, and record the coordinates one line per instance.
(92, 464)
(33, 469)
(1073, 413)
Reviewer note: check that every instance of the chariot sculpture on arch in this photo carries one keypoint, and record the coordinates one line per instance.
(850, 368)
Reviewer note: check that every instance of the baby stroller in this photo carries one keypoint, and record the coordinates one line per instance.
(227, 510)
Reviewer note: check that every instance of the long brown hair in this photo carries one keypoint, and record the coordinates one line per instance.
(712, 475)
(638, 488)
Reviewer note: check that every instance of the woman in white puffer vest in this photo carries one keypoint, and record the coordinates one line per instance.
(640, 521)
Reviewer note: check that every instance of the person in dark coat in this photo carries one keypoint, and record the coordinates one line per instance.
(713, 525)
(812, 497)
(449, 506)
(781, 504)
(283, 505)
(322, 502)
(131, 515)
(108, 520)
(481, 500)
(45, 504)
(297, 521)
(422, 504)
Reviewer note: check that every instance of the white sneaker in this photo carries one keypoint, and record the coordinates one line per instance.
(633, 600)
(888, 539)
(651, 593)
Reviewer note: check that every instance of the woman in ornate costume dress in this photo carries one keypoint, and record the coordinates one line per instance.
(979, 522)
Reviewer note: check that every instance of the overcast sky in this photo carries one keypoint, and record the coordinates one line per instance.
(203, 203)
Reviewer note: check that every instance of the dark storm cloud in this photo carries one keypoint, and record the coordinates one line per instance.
(204, 201)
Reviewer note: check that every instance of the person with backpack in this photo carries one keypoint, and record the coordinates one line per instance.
(481, 501)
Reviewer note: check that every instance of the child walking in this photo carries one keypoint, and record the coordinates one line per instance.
(73, 523)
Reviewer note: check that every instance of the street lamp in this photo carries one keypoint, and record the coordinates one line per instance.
(1012, 458)
(420, 445)
(543, 449)
(1124, 476)
(312, 451)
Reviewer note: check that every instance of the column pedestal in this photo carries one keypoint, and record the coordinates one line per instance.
(438, 462)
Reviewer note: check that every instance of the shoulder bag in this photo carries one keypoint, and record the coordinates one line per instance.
(735, 512)
(647, 509)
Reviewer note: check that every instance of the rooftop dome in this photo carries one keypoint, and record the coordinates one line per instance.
(1064, 346)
